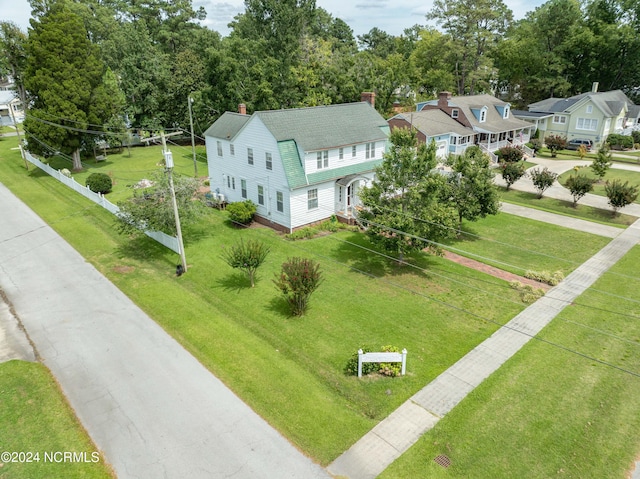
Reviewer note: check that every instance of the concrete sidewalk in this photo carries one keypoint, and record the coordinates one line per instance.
(368, 457)
(561, 220)
(149, 406)
(558, 192)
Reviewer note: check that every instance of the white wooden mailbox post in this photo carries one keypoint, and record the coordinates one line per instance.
(382, 358)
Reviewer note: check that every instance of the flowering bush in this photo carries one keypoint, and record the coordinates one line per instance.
(298, 279)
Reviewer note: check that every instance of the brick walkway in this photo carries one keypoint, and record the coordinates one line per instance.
(388, 440)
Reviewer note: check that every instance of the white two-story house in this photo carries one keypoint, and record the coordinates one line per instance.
(299, 166)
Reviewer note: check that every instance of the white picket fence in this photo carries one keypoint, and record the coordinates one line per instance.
(164, 239)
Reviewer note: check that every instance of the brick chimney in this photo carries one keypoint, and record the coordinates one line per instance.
(443, 99)
(242, 109)
(369, 97)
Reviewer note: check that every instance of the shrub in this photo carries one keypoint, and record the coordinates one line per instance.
(99, 183)
(535, 144)
(65, 172)
(367, 368)
(545, 277)
(528, 294)
(620, 194)
(635, 134)
(390, 369)
(299, 278)
(242, 212)
(620, 142)
(510, 154)
(512, 172)
(601, 162)
(578, 186)
(386, 369)
(555, 143)
(247, 257)
(542, 179)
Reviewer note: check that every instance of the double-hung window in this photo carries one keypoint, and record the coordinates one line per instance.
(268, 161)
(250, 156)
(312, 199)
(279, 201)
(261, 195)
(219, 144)
(370, 150)
(243, 188)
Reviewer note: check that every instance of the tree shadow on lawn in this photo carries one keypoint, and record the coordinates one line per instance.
(236, 281)
(141, 248)
(466, 234)
(357, 252)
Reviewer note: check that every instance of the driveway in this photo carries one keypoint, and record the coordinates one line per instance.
(149, 406)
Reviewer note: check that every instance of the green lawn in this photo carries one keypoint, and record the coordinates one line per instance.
(125, 171)
(633, 177)
(35, 419)
(519, 244)
(290, 369)
(548, 412)
(565, 208)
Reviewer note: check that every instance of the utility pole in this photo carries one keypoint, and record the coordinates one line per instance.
(15, 125)
(168, 163)
(193, 141)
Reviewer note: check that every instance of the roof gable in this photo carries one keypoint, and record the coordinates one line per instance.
(227, 126)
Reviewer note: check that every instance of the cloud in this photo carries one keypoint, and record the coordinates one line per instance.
(372, 4)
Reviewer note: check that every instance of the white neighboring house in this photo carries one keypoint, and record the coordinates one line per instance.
(299, 166)
(10, 108)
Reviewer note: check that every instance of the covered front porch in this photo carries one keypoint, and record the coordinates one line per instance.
(347, 200)
(494, 141)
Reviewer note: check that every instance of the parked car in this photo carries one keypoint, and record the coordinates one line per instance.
(576, 143)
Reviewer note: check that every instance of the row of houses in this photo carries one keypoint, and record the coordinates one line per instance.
(301, 166)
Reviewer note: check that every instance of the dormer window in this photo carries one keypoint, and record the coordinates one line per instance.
(483, 115)
(454, 113)
(505, 114)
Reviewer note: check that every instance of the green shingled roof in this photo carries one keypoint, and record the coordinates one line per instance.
(227, 126)
(335, 173)
(292, 164)
(324, 127)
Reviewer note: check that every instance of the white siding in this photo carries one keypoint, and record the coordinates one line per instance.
(311, 158)
(256, 136)
(300, 213)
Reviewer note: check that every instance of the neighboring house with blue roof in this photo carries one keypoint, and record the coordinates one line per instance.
(591, 116)
(299, 166)
(483, 120)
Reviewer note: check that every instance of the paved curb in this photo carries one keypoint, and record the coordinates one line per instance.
(153, 410)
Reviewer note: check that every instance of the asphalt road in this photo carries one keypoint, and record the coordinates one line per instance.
(149, 406)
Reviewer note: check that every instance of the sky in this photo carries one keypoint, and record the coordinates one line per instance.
(392, 16)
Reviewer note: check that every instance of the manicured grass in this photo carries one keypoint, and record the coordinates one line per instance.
(35, 419)
(548, 412)
(633, 177)
(125, 171)
(290, 369)
(565, 208)
(519, 244)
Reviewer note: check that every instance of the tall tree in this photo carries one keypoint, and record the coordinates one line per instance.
(403, 209)
(549, 53)
(64, 82)
(13, 57)
(470, 186)
(474, 26)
